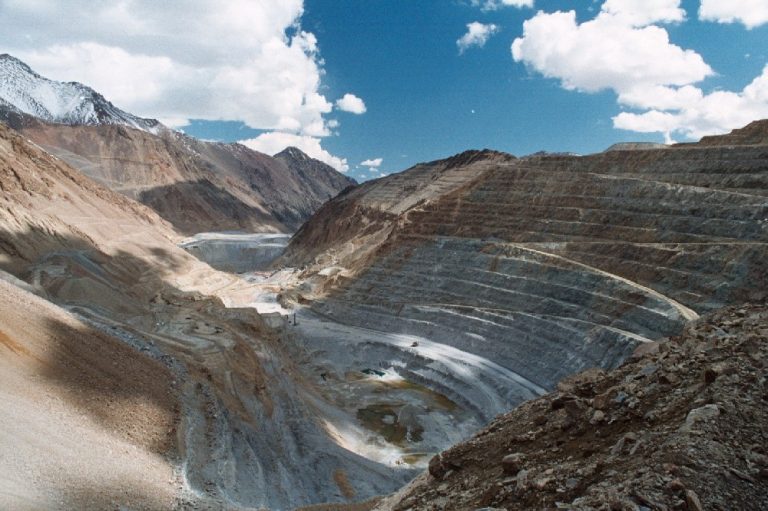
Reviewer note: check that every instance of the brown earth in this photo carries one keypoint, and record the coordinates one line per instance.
(114, 266)
(681, 426)
(545, 265)
(195, 185)
(86, 422)
(89, 422)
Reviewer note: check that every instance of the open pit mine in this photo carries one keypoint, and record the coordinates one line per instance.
(479, 332)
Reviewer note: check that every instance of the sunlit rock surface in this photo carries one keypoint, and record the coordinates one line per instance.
(547, 264)
(405, 315)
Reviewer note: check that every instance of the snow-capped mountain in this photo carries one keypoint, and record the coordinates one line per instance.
(23, 90)
(194, 184)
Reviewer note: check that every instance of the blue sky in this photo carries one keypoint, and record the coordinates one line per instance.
(426, 101)
(271, 73)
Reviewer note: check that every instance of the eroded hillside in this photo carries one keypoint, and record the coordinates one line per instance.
(238, 423)
(548, 264)
(193, 184)
(87, 422)
(424, 305)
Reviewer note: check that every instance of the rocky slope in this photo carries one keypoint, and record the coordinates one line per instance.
(547, 265)
(679, 426)
(196, 185)
(245, 423)
(431, 301)
(86, 422)
(754, 133)
(314, 171)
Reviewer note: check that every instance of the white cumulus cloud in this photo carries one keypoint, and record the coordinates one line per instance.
(625, 50)
(372, 163)
(273, 142)
(608, 52)
(242, 60)
(694, 114)
(640, 13)
(477, 35)
(751, 13)
(492, 5)
(352, 104)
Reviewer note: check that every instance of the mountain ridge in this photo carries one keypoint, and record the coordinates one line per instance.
(196, 185)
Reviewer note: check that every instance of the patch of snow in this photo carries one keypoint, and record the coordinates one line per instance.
(61, 102)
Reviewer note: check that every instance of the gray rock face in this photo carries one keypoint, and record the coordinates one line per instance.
(638, 457)
(549, 264)
(700, 415)
(635, 146)
(532, 309)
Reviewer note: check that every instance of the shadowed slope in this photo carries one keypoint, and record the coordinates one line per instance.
(250, 423)
(197, 186)
(89, 422)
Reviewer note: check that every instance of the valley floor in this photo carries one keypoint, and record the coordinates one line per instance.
(404, 397)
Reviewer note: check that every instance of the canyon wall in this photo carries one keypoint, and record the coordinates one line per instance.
(548, 264)
(197, 186)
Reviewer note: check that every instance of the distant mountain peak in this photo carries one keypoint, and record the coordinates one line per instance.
(471, 156)
(300, 161)
(10, 60)
(294, 153)
(73, 103)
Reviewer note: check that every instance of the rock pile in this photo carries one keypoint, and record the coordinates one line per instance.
(680, 426)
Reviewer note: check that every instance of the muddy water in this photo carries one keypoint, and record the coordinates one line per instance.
(236, 252)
